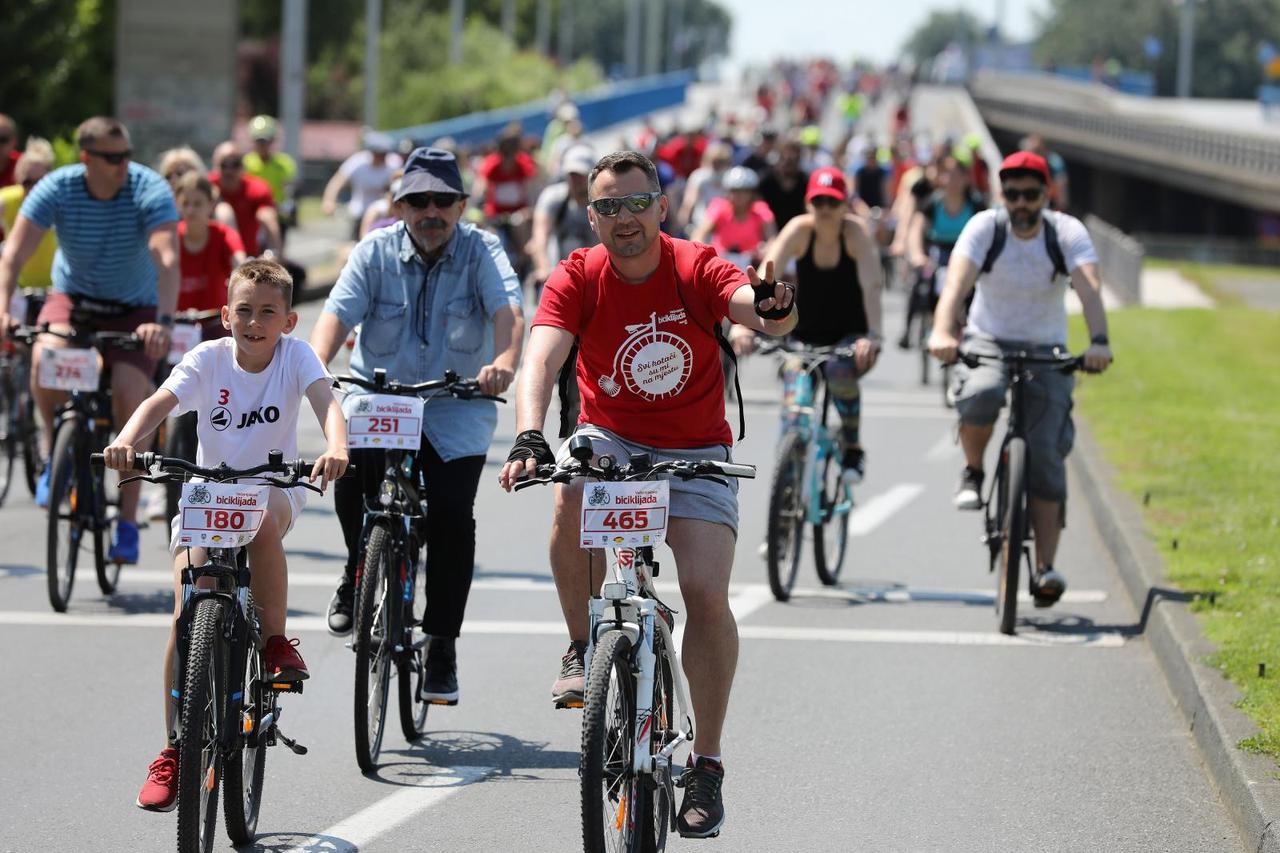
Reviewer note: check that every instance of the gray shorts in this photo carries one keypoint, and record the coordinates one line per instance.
(980, 394)
(705, 500)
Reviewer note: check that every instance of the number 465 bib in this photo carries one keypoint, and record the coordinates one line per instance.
(618, 515)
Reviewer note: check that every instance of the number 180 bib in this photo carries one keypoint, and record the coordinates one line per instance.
(617, 515)
(220, 515)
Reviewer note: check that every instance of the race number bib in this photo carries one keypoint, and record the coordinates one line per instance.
(618, 515)
(69, 369)
(220, 515)
(384, 420)
(182, 338)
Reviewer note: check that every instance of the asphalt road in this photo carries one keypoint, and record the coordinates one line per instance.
(886, 715)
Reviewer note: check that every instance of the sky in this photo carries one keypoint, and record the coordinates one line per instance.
(842, 29)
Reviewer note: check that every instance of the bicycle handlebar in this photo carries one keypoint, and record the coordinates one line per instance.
(1065, 363)
(803, 350)
(171, 467)
(608, 470)
(103, 339)
(463, 389)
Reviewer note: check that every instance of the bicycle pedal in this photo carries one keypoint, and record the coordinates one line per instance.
(287, 686)
(571, 704)
(442, 702)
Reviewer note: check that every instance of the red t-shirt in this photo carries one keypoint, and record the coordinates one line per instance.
(730, 235)
(682, 155)
(205, 273)
(6, 169)
(507, 191)
(648, 368)
(253, 195)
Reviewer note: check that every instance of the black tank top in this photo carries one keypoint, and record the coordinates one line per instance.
(829, 301)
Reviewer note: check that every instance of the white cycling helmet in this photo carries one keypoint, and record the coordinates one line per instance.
(741, 178)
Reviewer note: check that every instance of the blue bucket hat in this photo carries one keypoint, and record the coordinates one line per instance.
(430, 170)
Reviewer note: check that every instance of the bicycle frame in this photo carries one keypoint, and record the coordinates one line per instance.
(820, 441)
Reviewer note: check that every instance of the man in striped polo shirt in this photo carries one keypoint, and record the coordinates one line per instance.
(116, 269)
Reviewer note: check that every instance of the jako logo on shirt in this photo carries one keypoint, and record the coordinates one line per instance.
(257, 416)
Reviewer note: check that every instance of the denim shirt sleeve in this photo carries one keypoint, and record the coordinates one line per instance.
(349, 299)
(496, 282)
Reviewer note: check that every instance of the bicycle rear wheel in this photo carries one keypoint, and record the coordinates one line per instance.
(373, 648)
(199, 760)
(1013, 533)
(29, 439)
(244, 767)
(654, 806)
(9, 431)
(785, 530)
(67, 517)
(831, 535)
(413, 708)
(608, 748)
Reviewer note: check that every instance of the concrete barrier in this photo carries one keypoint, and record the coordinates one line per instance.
(1119, 260)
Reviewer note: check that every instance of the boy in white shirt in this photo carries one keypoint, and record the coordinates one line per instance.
(247, 390)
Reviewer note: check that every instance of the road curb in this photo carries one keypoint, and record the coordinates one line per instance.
(1246, 782)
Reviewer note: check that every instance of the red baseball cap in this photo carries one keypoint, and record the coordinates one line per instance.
(1026, 161)
(828, 181)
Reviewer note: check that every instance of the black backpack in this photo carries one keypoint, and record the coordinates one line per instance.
(1001, 237)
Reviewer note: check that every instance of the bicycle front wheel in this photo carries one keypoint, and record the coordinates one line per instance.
(67, 517)
(609, 812)
(9, 431)
(29, 439)
(1013, 527)
(373, 645)
(785, 529)
(199, 761)
(243, 770)
(413, 708)
(831, 535)
(108, 571)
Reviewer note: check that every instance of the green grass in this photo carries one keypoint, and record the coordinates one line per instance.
(1215, 279)
(1190, 415)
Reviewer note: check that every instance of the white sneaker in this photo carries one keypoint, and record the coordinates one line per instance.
(969, 494)
(157, 505)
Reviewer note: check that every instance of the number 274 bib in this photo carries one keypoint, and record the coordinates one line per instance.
(617, 515)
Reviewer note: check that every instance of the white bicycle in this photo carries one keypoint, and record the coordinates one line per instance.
(636, 708)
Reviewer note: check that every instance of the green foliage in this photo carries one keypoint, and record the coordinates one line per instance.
(58, 63)
(1227, 36)
(941, 29)
(1188, 415)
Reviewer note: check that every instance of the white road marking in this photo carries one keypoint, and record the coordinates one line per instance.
(355, 832)
(316, 624)
(968, 596)
(943, 449)
(870, 515)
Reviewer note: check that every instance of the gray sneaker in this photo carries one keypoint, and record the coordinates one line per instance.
(570, 688)
(702, 809)
(969, 492)
(1048, 587)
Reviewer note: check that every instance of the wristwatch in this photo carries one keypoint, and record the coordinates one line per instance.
(165, 320)
(1100, 340)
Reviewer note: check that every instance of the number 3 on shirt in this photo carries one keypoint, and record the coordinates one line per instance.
(224, 394)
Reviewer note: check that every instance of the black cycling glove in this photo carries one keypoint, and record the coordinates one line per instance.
(531, 444)
(765, 290)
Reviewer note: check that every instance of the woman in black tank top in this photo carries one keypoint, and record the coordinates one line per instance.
(838, 281)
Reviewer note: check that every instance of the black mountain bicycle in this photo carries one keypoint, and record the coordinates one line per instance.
(1006, 524)
(387, 607)
(227, 711)
(78, 503)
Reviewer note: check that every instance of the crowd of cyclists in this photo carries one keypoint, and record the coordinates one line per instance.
(787, 219)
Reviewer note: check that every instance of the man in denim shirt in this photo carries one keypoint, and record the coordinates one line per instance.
(430, 294)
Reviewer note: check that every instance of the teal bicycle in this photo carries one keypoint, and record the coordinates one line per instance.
(808, 490)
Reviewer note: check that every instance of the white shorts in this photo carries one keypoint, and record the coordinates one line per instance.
(297, 499)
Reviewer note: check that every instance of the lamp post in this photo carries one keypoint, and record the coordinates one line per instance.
(1186, 43)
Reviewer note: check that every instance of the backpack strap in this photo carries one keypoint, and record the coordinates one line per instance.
(593, 267)
(997, 239)
(1053, 247)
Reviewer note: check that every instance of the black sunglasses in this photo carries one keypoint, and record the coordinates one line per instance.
(422, 201)
(1032, 195)
(636, 203)
(5, 139)
(115, 158)
(826, 201)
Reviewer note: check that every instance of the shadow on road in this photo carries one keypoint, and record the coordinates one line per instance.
(859, 592)
(1069, 623)
(506, 754)
(279, 842)
(20, 571)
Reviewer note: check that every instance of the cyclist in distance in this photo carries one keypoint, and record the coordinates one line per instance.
(1020, 305)
(277, 168)
(430, 294)
(738, 225)
(257, 219)
(640, 282)
(247, 390)
(116, 269)
(36, 162)
(839, 279)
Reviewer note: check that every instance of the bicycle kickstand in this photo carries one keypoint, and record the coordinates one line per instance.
(297, 748)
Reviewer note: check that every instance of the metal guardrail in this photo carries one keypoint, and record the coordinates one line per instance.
(1119, 259)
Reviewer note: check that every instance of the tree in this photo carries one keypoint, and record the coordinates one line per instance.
(941, 29)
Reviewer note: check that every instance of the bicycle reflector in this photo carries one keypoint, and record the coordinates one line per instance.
(614, 591)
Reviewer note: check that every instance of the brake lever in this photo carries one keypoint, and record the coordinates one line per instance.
(292, 484)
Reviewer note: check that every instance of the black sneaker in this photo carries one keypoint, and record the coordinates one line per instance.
(340, 607)
(969, 493)
(1048, 587)
(440, 683)
(853, 465)
(702, 810)
(570, 687)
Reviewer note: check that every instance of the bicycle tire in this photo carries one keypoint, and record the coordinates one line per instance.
(199, 757)
(244, 767)
(926, 325)
(829, 555)
(1013, 533)
(31, 460)
(608, 746)
(66, 527)
(784, 532)
(655, 819)
(8, 432)
(372, 647)
(413, 708)
(108, 571)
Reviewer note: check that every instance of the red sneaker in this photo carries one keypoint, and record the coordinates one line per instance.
(160, 791)
(282, 661)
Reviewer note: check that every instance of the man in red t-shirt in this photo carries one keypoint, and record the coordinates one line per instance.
(651, 380)
(9, 153)
(505, 178)
(249, 197)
